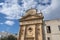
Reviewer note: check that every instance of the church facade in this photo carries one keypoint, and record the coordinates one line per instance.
(33, 27)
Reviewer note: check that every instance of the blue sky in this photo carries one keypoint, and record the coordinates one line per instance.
(8, 25)
(12, 10)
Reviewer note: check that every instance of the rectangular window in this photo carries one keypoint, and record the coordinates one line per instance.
(48, 38)
(48, 29)
(59, 27)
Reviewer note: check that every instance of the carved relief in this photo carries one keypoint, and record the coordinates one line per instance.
(38, 28)
(30, 22)
(30, 29)
(22, 32)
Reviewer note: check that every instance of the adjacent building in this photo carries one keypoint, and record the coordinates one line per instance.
(52, 29)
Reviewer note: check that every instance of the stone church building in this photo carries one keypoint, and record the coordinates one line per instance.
(33, 27)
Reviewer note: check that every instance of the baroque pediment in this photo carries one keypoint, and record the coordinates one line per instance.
(30, 17)
(31, 14)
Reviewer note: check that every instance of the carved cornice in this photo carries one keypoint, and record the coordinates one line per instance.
(32, 18)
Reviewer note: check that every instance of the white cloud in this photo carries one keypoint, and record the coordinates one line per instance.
(12, 12)
(29, 4)
(10, 23)
(1, 23)
(52, 7)
(11, 9)
(3, 31)
(1, 3)
(15, 11)
(11, 1)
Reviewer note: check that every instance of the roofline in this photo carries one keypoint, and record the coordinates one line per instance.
(51, 19)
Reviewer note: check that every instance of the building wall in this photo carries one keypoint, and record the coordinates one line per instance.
(55, 32)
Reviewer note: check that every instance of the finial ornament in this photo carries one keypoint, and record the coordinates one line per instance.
(40, 11)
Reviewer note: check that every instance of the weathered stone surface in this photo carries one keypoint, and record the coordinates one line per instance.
(31, 26)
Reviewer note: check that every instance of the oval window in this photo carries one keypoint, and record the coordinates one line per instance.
(30, 29)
